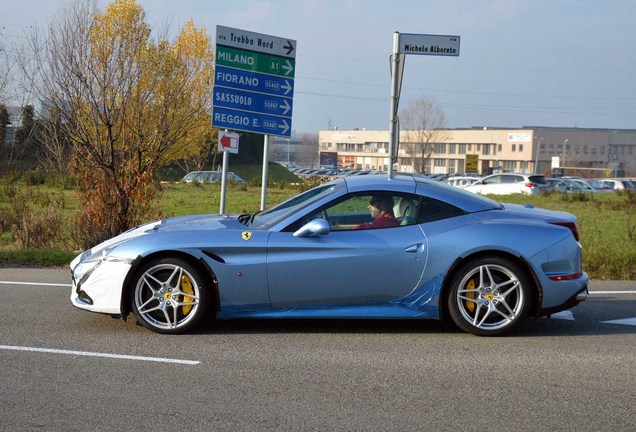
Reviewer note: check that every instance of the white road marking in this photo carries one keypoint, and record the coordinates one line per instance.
(564, 315)
(625, 321)
(95, 354)
(611, 292)
(35, 283)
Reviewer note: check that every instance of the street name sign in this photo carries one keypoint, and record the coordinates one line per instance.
(423, 44)
(253, 82)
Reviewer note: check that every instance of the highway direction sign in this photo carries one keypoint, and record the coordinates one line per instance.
(258, 42)
(248, 101)
(253, 82)
(252, 61)
(251, 122)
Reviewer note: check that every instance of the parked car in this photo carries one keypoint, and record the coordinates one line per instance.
(588, 185)
(447, 253)
(461, 181)
(210, 177)
(510, 183)
(560, 185)
(619, 184)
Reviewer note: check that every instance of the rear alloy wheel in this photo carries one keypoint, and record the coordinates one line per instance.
(489, 296)
(169, 296)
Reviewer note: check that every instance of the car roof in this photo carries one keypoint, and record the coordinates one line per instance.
(467, 201)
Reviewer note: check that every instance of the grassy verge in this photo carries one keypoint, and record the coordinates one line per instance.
(607, 222)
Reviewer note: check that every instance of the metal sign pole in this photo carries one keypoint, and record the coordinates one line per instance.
(223, 182)
(265, 172)
(395, 95)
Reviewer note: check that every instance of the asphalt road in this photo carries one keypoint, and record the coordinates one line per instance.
(64, 369)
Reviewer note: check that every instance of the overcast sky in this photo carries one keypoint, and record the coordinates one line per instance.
(568, 63)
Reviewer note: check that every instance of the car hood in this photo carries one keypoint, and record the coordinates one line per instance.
(208, 222)
(199, 222)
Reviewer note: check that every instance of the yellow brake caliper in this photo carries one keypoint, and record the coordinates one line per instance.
(186, 287)
(469, 304)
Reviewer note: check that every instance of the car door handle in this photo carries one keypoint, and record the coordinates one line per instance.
(416, 248)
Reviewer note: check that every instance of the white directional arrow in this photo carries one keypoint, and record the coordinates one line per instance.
(287, 87)
(284, 126)
(286, 106)
(289, 68)
(625, 321)
(564, 315)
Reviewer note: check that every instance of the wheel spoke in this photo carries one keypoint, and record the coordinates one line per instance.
(146, 311)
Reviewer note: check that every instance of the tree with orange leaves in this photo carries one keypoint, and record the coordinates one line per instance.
(130, 102)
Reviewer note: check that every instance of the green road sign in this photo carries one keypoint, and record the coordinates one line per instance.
(256, 62)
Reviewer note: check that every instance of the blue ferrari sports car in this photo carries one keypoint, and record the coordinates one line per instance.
(357, 247)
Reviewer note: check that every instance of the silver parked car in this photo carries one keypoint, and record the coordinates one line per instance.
(510, 183)
(210, 177)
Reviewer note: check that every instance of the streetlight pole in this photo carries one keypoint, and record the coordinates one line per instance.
(536, 159)
(563, 153)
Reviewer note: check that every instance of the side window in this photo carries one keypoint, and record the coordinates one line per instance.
(369, 210)
(432, 210)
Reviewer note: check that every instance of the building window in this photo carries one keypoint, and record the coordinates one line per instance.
(550, 148)
(520, 147)
(542, 148)
(440, 148)
(462, 149)
(514, 147)
(499, 147)
(593, 149)
(602, 149)
(452, 148)
(486, 148)
(584, 149)
(509, 165)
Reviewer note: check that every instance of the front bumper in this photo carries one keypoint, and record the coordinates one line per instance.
(99, 288)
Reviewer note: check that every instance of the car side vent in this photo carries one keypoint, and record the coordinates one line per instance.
(214, 256)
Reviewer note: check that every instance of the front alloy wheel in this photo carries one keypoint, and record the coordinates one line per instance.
(489, 296)
(168, 296)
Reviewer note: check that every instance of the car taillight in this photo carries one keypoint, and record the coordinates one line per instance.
(572, 226)
(531, 185)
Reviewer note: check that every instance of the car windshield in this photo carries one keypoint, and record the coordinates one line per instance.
(268, 218)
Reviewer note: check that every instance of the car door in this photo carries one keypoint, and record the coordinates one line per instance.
(345, 267)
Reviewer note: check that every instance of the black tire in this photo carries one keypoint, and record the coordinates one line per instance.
(169, 295)
(489, 296)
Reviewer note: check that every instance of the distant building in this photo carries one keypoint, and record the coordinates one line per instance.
(299, 150)
(587, 152)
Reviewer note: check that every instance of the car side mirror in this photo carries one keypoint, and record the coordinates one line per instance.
(312, 228)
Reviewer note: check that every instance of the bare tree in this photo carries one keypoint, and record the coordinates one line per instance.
(422, 124)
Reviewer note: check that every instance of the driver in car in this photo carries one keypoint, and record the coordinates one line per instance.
(381, 209)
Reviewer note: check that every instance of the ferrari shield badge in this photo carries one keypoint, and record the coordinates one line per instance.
(246, 235)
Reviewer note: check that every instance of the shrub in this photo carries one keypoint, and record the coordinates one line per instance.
(36, 218)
